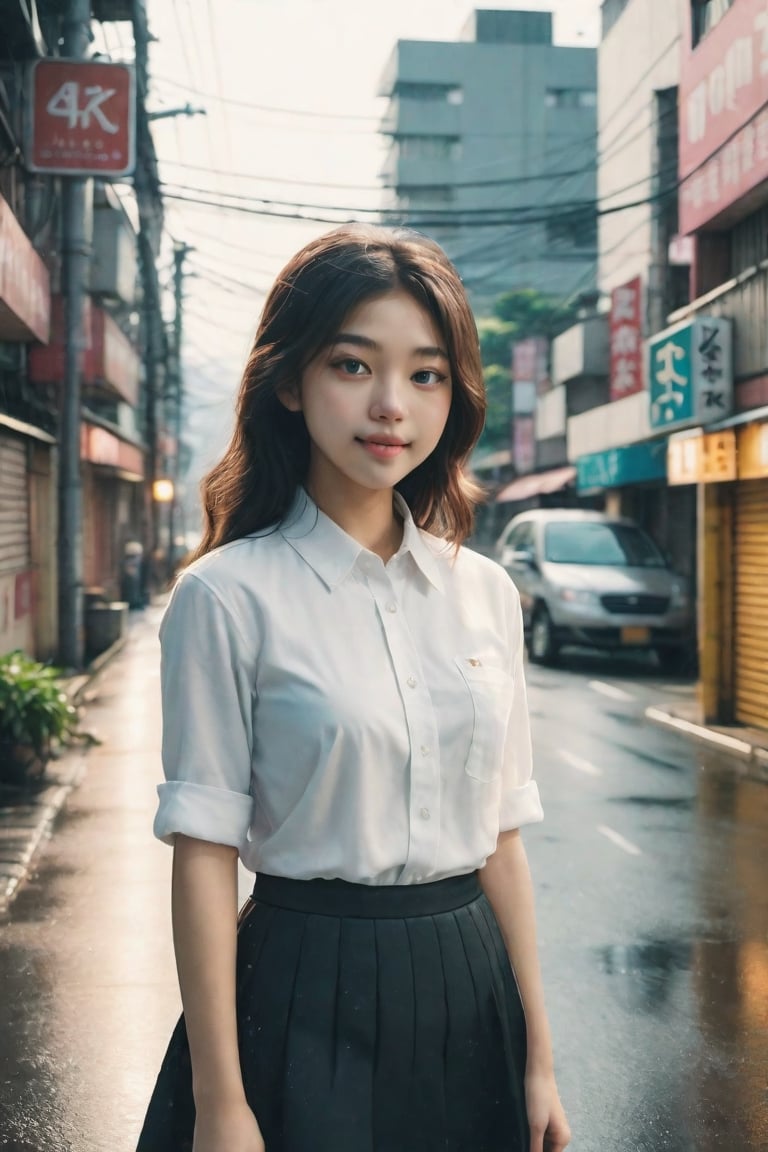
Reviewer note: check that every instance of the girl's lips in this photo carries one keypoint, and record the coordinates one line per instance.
(381, 450)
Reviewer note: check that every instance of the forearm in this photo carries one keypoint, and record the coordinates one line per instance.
(204, 905)
(506, 881)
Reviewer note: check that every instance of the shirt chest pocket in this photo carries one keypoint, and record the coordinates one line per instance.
(490, 691)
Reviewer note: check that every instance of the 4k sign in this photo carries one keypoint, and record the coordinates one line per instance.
(80, 119)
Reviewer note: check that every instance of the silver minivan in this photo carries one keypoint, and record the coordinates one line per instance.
(590, 579)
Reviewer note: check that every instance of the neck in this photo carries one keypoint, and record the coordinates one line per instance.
(367, 516)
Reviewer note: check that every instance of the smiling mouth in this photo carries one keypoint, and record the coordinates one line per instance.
(382, 441)
(385, 449)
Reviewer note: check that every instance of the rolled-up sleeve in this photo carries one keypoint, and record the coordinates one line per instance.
(520, 801)
(207, 674)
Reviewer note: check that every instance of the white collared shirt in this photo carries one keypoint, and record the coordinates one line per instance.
(333, 716)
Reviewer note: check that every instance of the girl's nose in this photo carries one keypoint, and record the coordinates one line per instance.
(388, 401)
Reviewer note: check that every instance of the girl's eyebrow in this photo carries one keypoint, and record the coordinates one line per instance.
(366, 342)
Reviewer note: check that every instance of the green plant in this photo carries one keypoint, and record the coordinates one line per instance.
(35, 714)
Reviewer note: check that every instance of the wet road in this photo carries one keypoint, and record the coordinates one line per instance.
(650, 872)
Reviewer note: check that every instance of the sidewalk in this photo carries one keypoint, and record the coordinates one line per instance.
(27, 816)
(682, 714)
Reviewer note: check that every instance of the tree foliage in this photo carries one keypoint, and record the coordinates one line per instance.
(515, 316)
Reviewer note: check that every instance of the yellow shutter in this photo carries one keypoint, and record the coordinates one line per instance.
(751, 603)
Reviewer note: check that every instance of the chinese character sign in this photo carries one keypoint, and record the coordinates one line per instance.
(724, 82)
(690, 373)
(80, 118)
(626, 339)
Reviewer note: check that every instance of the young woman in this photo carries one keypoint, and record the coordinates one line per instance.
(344, 708)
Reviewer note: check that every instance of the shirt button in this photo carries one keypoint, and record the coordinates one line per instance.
(391, 607)
(411, 681)
(424, 813)
(426, 750)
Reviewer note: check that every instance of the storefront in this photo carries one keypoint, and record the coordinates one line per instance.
(27, 487)
(728, 469)
(113, 473)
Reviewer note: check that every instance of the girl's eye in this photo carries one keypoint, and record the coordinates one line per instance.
(351, 366)
(427, 377)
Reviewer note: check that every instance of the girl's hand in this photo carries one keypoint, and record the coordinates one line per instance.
(228, 1129)
(546, 1117)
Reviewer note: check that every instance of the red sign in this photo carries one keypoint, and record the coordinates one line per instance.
(81, 118)
(98, 446)
(529, 359)
(25, 291)
(108, 359)
(523, 444)
(626, 335)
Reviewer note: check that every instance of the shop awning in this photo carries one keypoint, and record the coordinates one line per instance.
(537, 484)
(25, 292)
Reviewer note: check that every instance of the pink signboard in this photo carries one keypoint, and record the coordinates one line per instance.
(724, 81)
(524, 444)
(723, 87)
(25, 292)
(626, 336)
(727, 176)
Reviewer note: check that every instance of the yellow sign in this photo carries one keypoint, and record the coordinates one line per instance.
(753, 451)
(706, 458)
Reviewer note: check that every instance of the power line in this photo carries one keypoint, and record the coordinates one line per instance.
(251, 107)
(438, 217)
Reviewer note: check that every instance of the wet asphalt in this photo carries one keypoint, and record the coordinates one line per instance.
(650, 871)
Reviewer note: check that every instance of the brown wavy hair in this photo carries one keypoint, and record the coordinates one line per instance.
(254, 484)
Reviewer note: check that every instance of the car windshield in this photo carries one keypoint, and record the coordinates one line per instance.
(587, 542)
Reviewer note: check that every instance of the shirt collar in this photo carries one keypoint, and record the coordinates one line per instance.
(332, 553)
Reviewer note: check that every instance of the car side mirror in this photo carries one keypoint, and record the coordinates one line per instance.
(522, 558)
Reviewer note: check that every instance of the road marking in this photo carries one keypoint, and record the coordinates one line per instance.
(609, 690)
(619, 840)
(580, 764)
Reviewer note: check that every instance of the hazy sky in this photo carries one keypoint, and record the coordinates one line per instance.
(317, 61)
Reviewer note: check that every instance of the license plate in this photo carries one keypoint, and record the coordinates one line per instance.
(635, 635)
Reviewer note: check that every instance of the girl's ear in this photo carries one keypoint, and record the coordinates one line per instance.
(290, 397)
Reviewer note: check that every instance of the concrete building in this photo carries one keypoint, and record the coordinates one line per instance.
(486, 132)
(720, 453)
(643, 272)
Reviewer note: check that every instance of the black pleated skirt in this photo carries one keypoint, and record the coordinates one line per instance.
(371, 1019)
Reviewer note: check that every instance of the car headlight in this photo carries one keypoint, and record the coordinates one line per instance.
(679, 595)
(579, 596)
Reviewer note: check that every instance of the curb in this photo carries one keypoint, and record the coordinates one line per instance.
(28, 822)
(753, 758)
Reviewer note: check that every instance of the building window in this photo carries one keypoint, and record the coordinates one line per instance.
(424, 195)
(429, 147)
(707, 13)
(573, 230)
(429, 93)
(570, 98)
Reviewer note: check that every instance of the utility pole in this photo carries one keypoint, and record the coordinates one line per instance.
(76, 251)
(180, 253)
(150, 208)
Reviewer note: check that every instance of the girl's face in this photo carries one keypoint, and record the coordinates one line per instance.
(376, 400)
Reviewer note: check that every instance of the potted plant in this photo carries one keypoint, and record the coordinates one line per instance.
(36, 716)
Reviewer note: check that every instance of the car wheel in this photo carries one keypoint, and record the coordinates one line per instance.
(543, 649)
(675, 661)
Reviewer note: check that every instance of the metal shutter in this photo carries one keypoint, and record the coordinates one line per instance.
(14, 505)
(751, 603)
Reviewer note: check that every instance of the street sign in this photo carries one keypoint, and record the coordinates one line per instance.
(626, 328)
(80, 118)
(690, 373)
